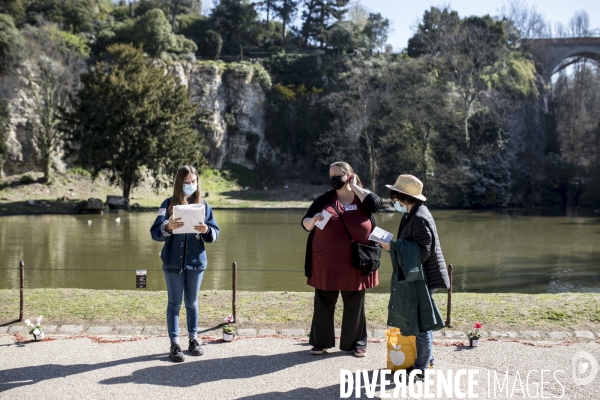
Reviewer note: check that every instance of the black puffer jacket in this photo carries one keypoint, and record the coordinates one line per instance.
(418, 226)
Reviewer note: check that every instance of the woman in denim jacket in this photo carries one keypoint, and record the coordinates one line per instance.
(184, 258)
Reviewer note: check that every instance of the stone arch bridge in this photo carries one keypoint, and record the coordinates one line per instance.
(554, 55)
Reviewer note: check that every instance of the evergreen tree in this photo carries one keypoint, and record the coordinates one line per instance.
(131, 114)
(153, 32)
(177, 7)
(319, 16)
(211, 45)
(435, 26)
(234, 20)
(376, 30)
(286, 11)
(14, 8)
(74, 15)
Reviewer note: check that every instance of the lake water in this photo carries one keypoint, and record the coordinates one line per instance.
(491, 251)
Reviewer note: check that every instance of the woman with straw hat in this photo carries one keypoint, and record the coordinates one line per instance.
(417, 225)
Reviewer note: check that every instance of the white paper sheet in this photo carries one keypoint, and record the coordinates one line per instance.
(190, 214)
(381, 236)
(321, 224)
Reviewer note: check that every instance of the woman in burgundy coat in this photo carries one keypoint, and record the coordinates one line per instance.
(328, 264)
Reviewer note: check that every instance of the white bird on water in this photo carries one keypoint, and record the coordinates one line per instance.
(117, 220)
(89, 221)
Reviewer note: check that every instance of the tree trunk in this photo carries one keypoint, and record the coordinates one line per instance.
(126, 189)
(374, 173)
(47, 167)
(426, 152)
(174, 7)
(372, 163)
(283, 32)
(466, 128)
(268, 10)
(267, 25)
(468, 106)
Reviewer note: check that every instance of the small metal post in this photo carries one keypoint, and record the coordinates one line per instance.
(22, 266)
(234, 288)
(449, 307)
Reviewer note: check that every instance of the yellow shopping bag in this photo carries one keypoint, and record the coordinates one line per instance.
(401, 350)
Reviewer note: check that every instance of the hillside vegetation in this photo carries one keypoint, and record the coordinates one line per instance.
(98, 85)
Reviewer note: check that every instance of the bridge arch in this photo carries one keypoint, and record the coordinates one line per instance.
(553, 55)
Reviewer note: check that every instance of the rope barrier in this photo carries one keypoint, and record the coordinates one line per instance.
(385, 272)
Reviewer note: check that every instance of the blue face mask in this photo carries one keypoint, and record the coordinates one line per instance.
(190, 189)
(400, 208)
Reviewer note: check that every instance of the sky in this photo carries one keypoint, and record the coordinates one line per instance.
(404, 15)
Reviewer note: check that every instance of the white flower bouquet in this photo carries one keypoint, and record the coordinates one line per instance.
(37, 330)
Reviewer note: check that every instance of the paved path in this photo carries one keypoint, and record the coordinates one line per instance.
(65, 367)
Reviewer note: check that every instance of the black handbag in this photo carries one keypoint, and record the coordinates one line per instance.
(365, 258)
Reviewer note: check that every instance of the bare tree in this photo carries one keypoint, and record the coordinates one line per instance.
(355, 130)
(527, 20)
(357, 14)
(469, 56)
(176, 7)
(50, 74)
(579, 24)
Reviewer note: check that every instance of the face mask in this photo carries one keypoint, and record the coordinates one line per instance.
(190, 189)
(336, 182)
(400, 208)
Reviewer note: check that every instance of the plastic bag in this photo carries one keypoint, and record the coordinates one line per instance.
(401, 350)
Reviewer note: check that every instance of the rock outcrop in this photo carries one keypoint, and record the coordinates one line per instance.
(230, 115)
(230, 103)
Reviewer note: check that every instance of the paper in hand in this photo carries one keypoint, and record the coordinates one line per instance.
(321, 224)
(381, 236)
(190, 214)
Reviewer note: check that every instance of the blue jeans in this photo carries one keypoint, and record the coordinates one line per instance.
(424, 345)
(184, 286)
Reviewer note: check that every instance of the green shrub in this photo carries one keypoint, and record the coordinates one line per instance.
(261, 76)
(26, 179)
(210, 46)
(80, 171)
(275, 49)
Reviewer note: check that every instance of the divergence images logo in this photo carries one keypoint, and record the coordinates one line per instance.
(585, 368)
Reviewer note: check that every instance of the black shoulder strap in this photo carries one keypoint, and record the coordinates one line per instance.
(342, 219)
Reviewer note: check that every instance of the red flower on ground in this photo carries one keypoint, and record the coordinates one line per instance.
(478, 325)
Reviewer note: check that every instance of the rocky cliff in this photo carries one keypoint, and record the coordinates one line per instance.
(21, 151)
(230, 115)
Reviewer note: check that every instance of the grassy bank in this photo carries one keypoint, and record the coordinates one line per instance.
(576, 311)
(231, 187)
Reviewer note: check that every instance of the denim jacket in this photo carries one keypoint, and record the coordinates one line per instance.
(172, 255)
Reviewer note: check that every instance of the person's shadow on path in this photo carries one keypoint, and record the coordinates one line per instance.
(328, 392)
(333, 391)
(192, 372)
(195, 371)
(17, 377)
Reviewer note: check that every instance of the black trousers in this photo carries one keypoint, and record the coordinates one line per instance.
(354, 323)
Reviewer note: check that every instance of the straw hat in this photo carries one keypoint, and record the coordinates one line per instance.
(409, 185)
